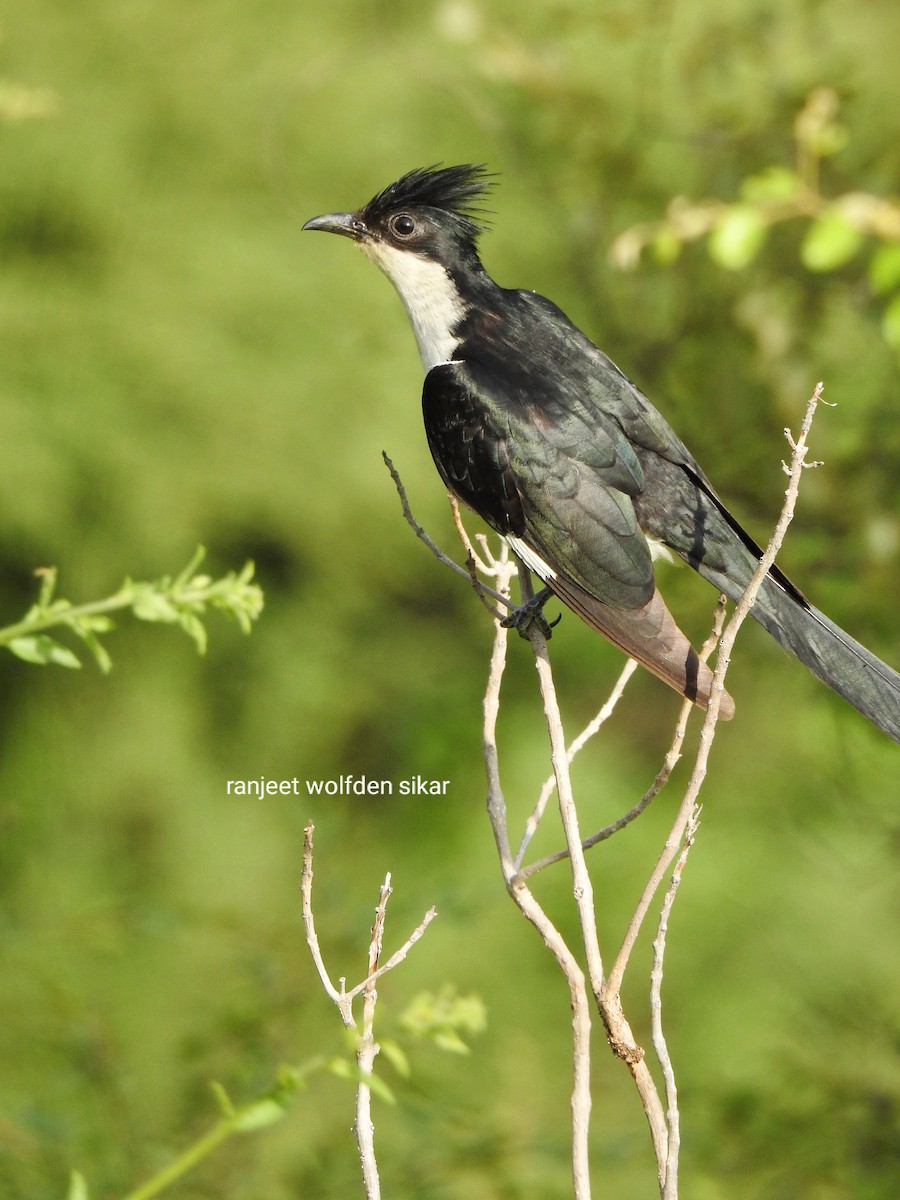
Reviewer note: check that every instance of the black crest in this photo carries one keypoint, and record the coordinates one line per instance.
(456, 191)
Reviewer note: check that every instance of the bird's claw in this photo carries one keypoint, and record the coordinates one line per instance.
(530, 612)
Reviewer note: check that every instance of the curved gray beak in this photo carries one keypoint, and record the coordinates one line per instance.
(346, 224)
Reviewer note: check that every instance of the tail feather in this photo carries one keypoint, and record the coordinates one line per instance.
(833, 656)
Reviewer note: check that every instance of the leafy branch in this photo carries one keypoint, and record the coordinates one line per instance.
(181, 600)
(838, 226)
(444, 1019)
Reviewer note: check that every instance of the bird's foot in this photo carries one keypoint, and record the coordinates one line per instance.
(531, 611)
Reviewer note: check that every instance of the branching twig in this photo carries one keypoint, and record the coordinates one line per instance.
(618, 1029)
(367, 1047)
(482, 589)
(669, 762)
(531, 909)
(579, 743)
(180, 600)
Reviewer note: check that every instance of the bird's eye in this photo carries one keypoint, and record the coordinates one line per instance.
(404, 225)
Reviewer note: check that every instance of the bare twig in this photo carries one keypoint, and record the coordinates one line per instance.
(618, 1030)
(367, 1047)
(396, 958)
(343, 1003)
(682, 822)
(669, 762)
(532, 910)
(578, 743)
(366, 1053)
(662, 778)
(660, 1045)
(481, 589)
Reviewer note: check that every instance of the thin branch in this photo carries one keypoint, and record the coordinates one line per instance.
(579, 742)
(482, 589)
(306, 879)
(681, 829)
(366, 1053)
(532, 910)
(621, 1038)
(367, 1047)
(664, 1126)
(673, 755)
(397, 957)
(660, 1045)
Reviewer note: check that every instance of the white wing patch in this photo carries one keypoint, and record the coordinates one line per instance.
(659, 551)
(531, 559)
(429, 296)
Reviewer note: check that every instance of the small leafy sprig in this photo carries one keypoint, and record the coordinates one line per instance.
(838, 226)
(182, 600)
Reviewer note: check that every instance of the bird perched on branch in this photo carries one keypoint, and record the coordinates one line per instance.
(538, 431)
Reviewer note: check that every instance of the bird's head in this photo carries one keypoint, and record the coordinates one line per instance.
(422, 232)
(433, 212)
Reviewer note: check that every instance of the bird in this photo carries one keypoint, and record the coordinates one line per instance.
(537, 430)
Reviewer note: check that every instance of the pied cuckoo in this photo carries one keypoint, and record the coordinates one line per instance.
(538, 431)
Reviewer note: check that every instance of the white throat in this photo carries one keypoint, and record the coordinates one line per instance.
(429, 297)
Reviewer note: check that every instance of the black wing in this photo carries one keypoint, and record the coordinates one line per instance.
(561, 490)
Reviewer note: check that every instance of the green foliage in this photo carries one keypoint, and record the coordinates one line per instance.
(737, 236)
(180, 600)
(836, 231)
(443, 1018)
(78, 1189)
(446, 1018)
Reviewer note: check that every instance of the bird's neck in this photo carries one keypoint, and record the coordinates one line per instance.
(431, 297)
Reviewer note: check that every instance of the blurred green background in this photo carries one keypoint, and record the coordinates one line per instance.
(178, 365)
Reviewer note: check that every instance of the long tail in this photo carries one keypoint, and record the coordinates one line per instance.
(832, 655)
(718, 548)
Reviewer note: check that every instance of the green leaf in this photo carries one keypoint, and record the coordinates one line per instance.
(379, 1088)
(226, 1107)
(451, 1042)
(738, 237)
(771, 186)
(830, 241)
(445, 1017)
(395, 1055)
(890, 323)
(182, 578)
(41, 649)
(102, 659)
(151, 605)
(344, 1069)
(195, 629)
(78, 1189)
(259, 1115)
(666, 245)
(884, 268)
(830, 138)
(47, 576)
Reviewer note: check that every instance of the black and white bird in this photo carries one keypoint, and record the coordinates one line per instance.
(538, 431)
